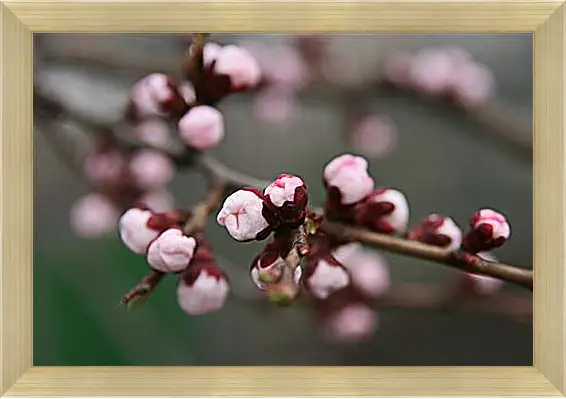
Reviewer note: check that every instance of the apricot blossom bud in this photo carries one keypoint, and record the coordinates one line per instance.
(155, 95)
(104, 167)
(473, 84)
(385, 210)
(437, 230)
(202, 127)
(152, 131)
(239, 65)
(373, 135)
(135, 231)
(368, 270)
(351, 323)
(284, 66)
(325, 276)
(171, 252)
(432, 71)
(287, 198)
(150, 169)
(158, 201)
(242, 216)
(488, 229)
(93, 215)
(349, 174)
(275, 104)
(203, 286)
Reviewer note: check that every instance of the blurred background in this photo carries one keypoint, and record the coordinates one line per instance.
(448, 156)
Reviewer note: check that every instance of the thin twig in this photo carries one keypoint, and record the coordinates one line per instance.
(217, 169)
(462, 261)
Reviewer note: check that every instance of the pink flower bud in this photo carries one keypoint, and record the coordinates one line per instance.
(432, 71)
(489, 229)
(287, 197)
(210, 52)
(437, 230)
(263, 272)
(374, 135)
(385, 210)
(153, 131)
(155, 95)
(349, 174)
(275, 105)
(368, 270)
(285, 188)
(206, 294)
(202, 127)
(203, 287)
(135, 231)
(158, 201)
(102, 168)
(171, 252)
(284, 66)
(242, 215)
(325, 276)
(351, 323)
(239, 65)
(93, 215)
(150, 169)
(473, 84)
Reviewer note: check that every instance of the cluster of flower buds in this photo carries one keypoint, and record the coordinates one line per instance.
(444, 72)
(250, 214)
(203, 286)
(119, 180)
(488, 230)
(352, 197)
(347, 315)
(330, 267)
(157, 99)
(226, 69)
(122, 178)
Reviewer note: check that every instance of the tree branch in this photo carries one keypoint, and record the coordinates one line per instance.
(458, 260)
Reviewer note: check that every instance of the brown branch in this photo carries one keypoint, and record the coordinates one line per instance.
(219, 172)
(462, 261)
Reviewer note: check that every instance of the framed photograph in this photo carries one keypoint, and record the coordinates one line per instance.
(273, 198)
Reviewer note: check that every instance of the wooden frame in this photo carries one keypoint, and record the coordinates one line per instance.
(20, 18)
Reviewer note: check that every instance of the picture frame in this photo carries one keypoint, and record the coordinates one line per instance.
(20, 19)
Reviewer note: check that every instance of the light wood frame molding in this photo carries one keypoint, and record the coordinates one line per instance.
(19, 19)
